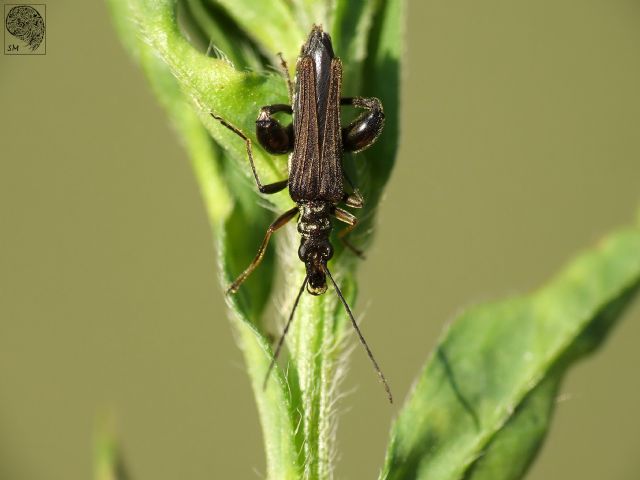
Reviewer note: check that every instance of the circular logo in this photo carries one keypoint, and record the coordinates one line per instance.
(26, 23)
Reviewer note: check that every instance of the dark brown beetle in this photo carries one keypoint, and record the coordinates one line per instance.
(316, 141)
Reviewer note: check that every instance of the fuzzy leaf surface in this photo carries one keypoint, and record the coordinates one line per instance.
(482, 405)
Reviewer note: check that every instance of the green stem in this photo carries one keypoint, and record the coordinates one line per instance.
(297, 407)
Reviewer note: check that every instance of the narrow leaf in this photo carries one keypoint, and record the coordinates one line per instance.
(274, 405)
(270, 24)
(108, 463)
(482, 405)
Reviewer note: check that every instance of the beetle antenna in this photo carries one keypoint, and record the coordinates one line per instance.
(284, 333)
(362, 340)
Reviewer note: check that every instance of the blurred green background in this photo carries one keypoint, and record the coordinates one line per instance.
(520, 146)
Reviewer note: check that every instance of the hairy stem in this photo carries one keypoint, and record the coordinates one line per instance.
(297, 407)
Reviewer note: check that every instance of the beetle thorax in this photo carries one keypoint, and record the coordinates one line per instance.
(315, 220)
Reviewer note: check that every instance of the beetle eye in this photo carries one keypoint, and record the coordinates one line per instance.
(303, 251)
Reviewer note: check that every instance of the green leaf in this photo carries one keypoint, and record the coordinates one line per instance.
(352, 22)
(108, 463)
(208, 165)
(482, 405)
(272, 25)
(209, 27)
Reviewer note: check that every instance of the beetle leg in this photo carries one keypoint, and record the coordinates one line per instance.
(269, 188)
(274, 137)
(352, 222)
(277, 224)
(353, 200)
(363, 131)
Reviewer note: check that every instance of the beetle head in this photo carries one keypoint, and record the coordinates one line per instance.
(315, 256)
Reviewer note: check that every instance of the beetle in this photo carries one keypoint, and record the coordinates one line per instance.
(315, 142)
